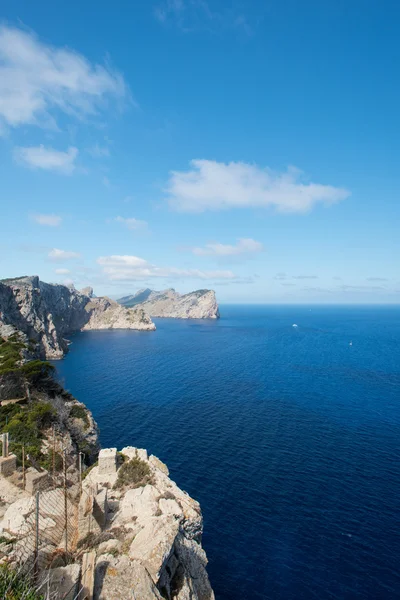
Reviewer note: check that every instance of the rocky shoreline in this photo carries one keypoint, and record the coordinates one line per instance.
(47, 313)
(100, 524)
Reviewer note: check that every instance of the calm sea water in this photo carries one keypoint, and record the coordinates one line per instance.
(289, 438)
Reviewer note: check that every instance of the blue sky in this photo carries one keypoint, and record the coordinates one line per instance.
(251, 147)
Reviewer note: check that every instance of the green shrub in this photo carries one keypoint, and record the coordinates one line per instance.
(47, 462)
(41, 414)
(134, 473)
(78, 412)
(25, 425)
(16, 585)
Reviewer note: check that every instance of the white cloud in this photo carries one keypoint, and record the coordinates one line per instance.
(62, 271)
(131, 268)
(244, 246)
(37, 79)
(60, 255)
(210, 185)
(305, 276)
(48, 220)
(39, 157)
(131, 223)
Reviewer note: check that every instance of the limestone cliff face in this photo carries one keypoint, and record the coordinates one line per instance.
(46, 313)
(154, 532)
(201, 304)
(108, 314)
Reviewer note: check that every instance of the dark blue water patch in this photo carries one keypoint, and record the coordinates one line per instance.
(288, 437)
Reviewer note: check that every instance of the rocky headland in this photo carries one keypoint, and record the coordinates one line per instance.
(102, 525)
(201, 304)
(47, 313)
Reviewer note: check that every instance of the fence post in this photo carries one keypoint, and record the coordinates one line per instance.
(5, 449)
(65, 500)
(37, 516)
(80, 472)
(54, 451)
(23, 467)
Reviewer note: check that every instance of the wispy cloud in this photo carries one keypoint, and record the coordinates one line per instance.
(60, 255)
(280, 276)
(377, 279)
(47, 220)
(62, 271)
(210, 185)
(193, 15)
(305, 276)
(350, 288)
(37, 80)
(132, 268)
(132, 224)
(244, 246)
(97, 151)
(39, 157)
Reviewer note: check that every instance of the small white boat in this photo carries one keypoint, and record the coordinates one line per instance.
(294, 325)
(351, 343)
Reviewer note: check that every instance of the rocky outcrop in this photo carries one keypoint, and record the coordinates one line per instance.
(201, 304)
(47, 313)
(153, 542)
(142, 538)
(108, 314)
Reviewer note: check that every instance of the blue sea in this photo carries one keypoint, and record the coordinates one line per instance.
(288, 436)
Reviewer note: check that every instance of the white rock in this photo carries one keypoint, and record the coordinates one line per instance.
(158, 464)
(139, 504)
(121, 578)
(170, 507)
(107, 461)
(154, 544)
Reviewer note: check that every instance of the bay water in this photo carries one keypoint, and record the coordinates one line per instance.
(288, 436)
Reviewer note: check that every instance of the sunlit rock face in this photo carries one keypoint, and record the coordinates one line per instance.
(46, 313)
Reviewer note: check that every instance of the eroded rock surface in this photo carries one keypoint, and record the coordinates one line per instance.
(153, 546)
(201, 304)
(47, 313)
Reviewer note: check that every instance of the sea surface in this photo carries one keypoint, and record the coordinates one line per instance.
(288, 436)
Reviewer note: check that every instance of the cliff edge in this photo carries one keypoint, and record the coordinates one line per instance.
(120, 528)
(201, 304)
(46, 313)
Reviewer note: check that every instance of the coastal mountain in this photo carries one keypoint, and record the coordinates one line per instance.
(46, 313)
(201, 304)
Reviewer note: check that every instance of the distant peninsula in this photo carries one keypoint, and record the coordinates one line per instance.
(200, 304)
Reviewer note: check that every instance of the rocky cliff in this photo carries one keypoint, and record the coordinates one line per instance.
(123, 530)
(46, 313)
(201, 304)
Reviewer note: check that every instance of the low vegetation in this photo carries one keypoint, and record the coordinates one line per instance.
(36, 403)
(15, 585)
(25, 425)
(79, 412)
(133, 473)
